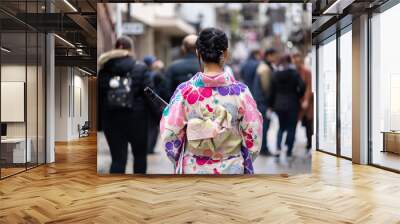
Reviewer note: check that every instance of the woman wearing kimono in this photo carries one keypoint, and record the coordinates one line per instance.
(212, 125)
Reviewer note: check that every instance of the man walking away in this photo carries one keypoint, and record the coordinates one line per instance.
(261, 88)
(183, 69)
(122, 107)
(306, 115)
(287, 88)
(249, 69)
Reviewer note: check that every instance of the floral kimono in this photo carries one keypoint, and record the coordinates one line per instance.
(216, 121)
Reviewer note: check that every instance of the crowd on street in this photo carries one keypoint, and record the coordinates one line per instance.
(279, 83)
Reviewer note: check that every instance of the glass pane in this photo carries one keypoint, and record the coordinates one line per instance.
(385, 89)
(22, 62)
(32, 97)
(14, 146)
(14, 153)
(346, 94)
(327, 97)
(32, 85)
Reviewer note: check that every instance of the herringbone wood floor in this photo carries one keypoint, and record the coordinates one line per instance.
(70, 191)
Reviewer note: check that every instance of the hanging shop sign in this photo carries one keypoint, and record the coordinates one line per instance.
(133, 28)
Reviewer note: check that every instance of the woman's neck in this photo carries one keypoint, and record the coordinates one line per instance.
(212, 69)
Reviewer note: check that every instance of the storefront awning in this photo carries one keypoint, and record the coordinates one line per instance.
(173, 26)
(170, 25)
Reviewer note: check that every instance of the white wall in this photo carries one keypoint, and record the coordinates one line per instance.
(16, 73)
(33, 126)
(61, 103)
(12, 73)
(71, 102)
(80, 102)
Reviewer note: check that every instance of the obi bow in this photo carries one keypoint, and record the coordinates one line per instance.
(213, 131)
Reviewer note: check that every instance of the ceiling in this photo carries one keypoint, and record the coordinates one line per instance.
(329, 13)
(74, 21)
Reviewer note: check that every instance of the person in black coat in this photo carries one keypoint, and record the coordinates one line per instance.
(183, 69)
(123, 121)
(286, 89)
(156, 74)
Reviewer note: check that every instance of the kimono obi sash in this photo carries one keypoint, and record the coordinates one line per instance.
(212, 135)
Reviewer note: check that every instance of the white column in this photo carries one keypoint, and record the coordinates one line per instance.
(50, 99)
(360, 90)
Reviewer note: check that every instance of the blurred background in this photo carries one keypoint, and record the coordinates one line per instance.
(158, 29)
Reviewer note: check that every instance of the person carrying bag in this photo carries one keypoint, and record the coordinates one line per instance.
(122, 106)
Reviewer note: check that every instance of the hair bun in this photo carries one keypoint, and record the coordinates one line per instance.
(211, 44)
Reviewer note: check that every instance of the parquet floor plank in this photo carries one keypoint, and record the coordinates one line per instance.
(70, 191)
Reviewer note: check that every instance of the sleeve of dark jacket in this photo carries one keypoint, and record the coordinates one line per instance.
(141, 70)
(272, 91)
(160, 86)
(169, 81)
(147, 81)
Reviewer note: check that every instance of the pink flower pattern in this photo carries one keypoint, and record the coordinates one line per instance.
(205, 92)
(177, 115)
(193, 94)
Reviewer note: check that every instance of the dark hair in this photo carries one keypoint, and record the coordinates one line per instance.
(285, 60)
(270, 51)
(254, 53)
(211, 44)
(124, 42)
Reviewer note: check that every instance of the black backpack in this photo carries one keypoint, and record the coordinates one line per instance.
(119, 94)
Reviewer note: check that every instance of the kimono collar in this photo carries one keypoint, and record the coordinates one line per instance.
(223, 79)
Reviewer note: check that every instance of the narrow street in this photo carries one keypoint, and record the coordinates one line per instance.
(158, 163)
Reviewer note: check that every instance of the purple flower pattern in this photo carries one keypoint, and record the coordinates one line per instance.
(173, 148)
(233, 89)
(247, 163)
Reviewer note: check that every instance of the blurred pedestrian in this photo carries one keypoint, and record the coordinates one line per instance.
(249, 69)
(306, 115)
(261, 88)
(183, 69)
(122, 108)
(155, 74)
(212, 125)
(286, 89)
